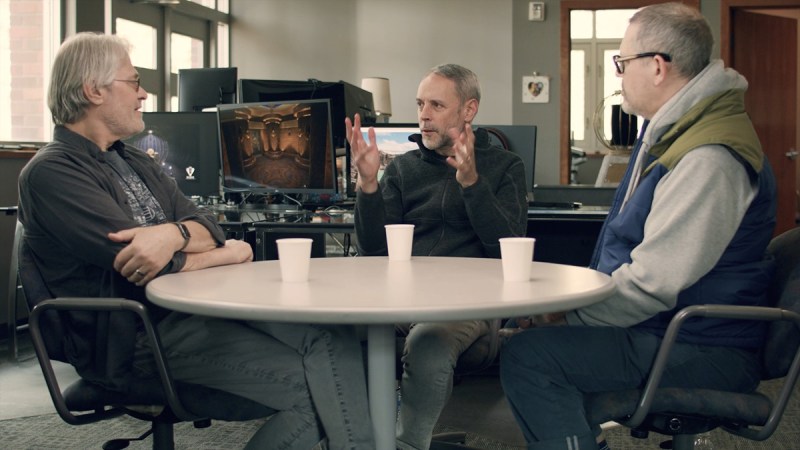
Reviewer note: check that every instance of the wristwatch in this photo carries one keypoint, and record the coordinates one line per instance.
(185, 233)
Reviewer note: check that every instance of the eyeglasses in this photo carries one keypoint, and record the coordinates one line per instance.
(621, 67)
(137, 82)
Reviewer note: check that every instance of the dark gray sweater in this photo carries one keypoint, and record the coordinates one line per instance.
(420, 188)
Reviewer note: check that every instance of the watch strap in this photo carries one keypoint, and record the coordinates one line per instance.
(185, 233)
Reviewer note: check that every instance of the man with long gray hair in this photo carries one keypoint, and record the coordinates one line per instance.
(102, 220)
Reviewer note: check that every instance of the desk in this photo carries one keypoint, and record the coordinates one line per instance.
(379, 293)
(261, 227)
(564, 236)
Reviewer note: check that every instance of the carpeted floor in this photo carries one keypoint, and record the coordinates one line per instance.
(477, 406)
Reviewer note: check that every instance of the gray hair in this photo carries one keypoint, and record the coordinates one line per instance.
(678, 30)
(467, 85)
(85, 58)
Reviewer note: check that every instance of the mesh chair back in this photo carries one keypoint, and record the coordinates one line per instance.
(783, 337)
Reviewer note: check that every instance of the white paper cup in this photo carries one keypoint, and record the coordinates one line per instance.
(295, 258)
(399, 238)
(517, 256)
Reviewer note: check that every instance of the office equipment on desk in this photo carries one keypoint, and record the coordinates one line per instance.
(261, 227)
(199, 89)
(533, 204)
(281, 147)
(566, 235)
(586, 195)
(186, 146)
(346, 99)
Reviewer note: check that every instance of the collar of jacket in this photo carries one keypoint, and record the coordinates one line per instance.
(75, 140)
(719, 119)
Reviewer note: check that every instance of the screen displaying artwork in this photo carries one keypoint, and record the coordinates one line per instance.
(281, 147)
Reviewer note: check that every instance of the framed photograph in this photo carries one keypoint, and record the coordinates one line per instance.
(535, 89)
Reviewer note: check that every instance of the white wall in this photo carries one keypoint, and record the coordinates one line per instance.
(348, 40)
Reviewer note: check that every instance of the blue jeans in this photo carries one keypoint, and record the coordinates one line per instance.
(546, 371)
(310, 374)
(429, 360)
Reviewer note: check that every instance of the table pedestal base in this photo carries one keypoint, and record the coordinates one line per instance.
(382, 385)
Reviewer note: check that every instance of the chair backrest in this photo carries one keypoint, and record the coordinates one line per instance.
(35, 291)
(783, 337)
(13, 267)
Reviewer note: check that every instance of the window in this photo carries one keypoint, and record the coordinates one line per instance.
(194, 36)
(143, 39)
(29, 36)
(595, 36)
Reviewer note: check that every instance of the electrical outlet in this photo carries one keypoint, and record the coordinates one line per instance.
(536, 11)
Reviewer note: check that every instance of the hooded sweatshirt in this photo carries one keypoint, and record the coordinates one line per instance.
(692, 219)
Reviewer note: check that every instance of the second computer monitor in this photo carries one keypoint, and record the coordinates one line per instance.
(185, 145)
(199, 89)
(277, 147)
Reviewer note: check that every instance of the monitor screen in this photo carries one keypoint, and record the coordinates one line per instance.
(346, 99)
(206, 88)
(185, 145)
(277, 147)
(392, 140)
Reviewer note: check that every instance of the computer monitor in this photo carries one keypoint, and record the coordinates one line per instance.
(185, 145)
(346, 99)
(281, 147)
(392, 140)
(520, 139)
(199, 89)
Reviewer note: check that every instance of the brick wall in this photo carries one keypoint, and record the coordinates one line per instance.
(27, 71)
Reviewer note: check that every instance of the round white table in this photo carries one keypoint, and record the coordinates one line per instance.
(380, 293)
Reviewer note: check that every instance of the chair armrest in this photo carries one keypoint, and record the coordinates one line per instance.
(105, 305)
(761, 313)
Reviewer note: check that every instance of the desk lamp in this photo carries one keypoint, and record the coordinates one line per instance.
(381, 97)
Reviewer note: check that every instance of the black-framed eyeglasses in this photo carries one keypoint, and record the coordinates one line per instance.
(620, 59)
(137, 82)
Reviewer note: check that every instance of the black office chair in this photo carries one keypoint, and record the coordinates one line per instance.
(160, 400)
(684, 413)
(15, 298)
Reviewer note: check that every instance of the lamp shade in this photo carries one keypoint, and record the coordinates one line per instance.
(381, 97)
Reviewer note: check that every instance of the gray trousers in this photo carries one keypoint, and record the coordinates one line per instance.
(429, 360)
(310, 374)
(546, 371)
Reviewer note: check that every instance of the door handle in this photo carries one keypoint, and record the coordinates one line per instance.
(791, 154)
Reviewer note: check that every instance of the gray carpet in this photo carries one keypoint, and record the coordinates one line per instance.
(477, 406)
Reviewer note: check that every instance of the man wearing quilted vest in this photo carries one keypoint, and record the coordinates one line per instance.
(689, 225)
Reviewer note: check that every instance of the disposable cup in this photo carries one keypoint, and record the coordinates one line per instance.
(294, 255)
(517, 256)
(399, 238)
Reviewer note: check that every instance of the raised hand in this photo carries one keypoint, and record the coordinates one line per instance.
(463, 159)
(364, 156)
